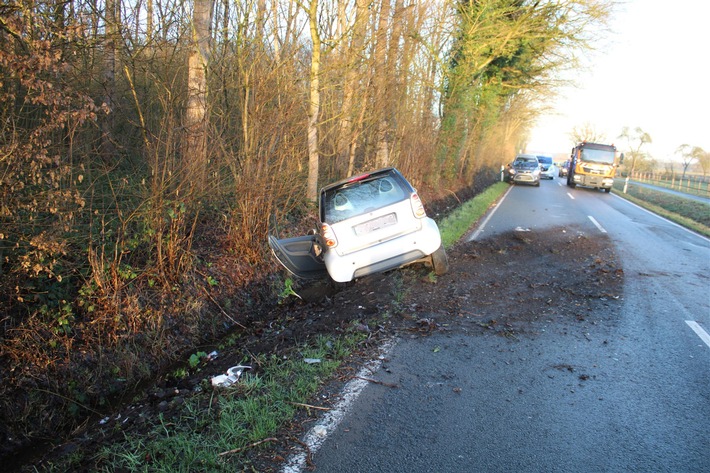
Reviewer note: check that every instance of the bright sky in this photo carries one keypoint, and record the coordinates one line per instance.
(652, 72)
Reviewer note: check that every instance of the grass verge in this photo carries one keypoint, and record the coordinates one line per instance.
(456, 224)
(688, 213)
(214, 430)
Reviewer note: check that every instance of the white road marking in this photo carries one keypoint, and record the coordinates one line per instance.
(601, 229)
(485, 221)
(570, 196)
(330, 421)
(699, 331)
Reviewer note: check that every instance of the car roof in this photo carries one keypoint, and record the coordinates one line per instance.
(359, 177)
(526, 156)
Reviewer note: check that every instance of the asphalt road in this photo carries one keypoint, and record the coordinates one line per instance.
(629, 394)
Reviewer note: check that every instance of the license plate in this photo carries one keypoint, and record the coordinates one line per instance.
(375, 224)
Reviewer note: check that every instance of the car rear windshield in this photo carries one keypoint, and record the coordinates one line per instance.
(544, 159)
(362, 196)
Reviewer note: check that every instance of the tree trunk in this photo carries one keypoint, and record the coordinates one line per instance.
(346, 136)
(382, 148)
(196, 117)
(314, 109)
(107, 148)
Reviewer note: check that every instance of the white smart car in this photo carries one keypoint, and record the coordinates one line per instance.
(369, 224)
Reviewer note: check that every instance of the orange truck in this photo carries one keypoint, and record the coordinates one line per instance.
(593, 165)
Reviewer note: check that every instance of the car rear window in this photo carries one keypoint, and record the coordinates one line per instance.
(544, 159)
(360, 197)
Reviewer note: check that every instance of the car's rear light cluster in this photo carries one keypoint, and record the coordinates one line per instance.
(417, 206)
(328, 236)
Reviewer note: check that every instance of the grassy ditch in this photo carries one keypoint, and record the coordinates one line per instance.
(456, 224)
(212, 431)
(688, 213)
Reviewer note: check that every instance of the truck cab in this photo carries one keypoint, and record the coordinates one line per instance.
(593, 165)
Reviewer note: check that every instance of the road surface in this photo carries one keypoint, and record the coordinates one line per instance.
(631, 393)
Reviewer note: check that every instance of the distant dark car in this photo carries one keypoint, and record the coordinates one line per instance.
(526, 170)
(564, 170)
(369, 224)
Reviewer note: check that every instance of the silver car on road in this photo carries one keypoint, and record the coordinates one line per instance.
(526, 170)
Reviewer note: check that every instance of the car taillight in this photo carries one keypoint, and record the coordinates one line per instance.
(328, 236)
(417, 206)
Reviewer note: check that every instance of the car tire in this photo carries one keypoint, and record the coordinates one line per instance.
(439, 261)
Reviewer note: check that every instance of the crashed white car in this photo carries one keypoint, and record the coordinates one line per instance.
(369, 224)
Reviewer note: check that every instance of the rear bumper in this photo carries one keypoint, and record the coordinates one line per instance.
(385, 255)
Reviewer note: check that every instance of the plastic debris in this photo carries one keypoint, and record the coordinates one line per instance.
(521, 229)
(311, 361)
(232, 376)
(212, 356)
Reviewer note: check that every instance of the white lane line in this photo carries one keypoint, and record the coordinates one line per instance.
(601, 229)
(485, 221)
(570, 196)
(699, 331)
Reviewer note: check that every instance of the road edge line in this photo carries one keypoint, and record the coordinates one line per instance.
(661, 217)
(480, 228)
(315, 437)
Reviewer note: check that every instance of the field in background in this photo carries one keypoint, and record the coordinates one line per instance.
(690, 213)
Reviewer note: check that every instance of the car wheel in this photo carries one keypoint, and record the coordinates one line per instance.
(607, 190)
(439, 261)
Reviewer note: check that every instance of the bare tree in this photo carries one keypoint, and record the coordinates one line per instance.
(586, 132)
(352, 58)
(703, 158)
(107, 122)
(687, 156)
(636, 139)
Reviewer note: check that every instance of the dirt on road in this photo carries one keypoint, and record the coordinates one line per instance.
(503, 285)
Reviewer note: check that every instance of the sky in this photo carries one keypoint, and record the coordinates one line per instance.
(651, 71)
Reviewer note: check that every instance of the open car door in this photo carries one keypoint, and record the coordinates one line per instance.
(298, 256)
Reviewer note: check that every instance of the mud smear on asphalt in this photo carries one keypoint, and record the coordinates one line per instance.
(505, 285)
